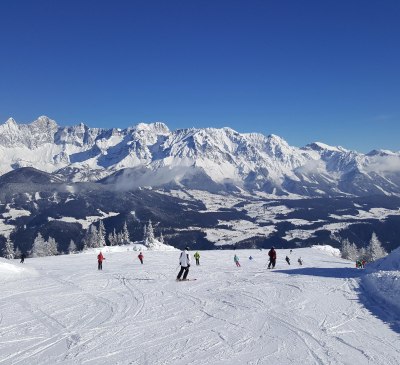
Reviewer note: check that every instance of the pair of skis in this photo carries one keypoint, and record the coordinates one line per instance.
(186, 279)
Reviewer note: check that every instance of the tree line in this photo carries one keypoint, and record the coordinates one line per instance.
(95, 237)
(373, 251)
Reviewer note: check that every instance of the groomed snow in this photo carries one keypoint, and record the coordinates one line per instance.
(71, 313)
(9, 271)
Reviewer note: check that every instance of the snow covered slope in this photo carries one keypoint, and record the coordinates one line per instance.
(383, 280)
(9, 271)
(211, 159)
(138, 314)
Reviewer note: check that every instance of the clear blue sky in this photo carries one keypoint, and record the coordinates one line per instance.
(323, 70)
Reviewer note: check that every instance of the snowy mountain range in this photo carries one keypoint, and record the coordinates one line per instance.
(208, 159)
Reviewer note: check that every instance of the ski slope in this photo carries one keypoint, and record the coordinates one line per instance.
(62, 310)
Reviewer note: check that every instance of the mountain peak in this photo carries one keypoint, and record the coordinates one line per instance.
(319, 146)
(275, 138)
(156, 127)
(381, 153)
(10, 121)
(10, 126)
(44, 121)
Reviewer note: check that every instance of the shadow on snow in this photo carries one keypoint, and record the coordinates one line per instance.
(326, 272)
(380, 310)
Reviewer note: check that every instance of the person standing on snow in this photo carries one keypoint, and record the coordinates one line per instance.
(287, 260)
(236, 260)
(22, 258)
(184, 261)
(100, 259)
(300, 261)
(140, 256)
(272, 258)
(363, 263)
(197, 257)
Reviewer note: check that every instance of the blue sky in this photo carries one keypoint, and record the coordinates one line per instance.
(305, 70)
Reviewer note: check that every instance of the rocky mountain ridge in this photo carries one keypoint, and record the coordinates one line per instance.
(207, 158)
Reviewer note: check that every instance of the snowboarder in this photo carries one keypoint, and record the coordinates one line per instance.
(300, 261)
(236, 260)
(140, 256)
(197, 257)
(272, 257)
(184, 261)
(100, 259)
(287, 260)
(22, 258)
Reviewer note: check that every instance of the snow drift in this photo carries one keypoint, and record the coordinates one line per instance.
(382, 279)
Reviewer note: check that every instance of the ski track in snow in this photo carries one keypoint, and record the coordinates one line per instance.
(71, 313)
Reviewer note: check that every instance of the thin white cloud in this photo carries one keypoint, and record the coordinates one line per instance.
(311, 166)
(383, 164)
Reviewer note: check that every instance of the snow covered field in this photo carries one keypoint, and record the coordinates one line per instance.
(63, 310)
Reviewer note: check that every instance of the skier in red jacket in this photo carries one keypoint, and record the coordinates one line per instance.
(140, 256)
(272, 257)
(100, 259)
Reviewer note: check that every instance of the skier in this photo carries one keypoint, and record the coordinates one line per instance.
(184, 261)
(287, 260)
(236, 260)
(363, 263)
(22, 258)
(291, 251)
(140, 256)
(197, 257)
(100, 259)
(250, 258)
(300, 261)
(272, 257)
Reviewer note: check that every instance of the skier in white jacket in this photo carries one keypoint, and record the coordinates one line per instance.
(184, 261)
